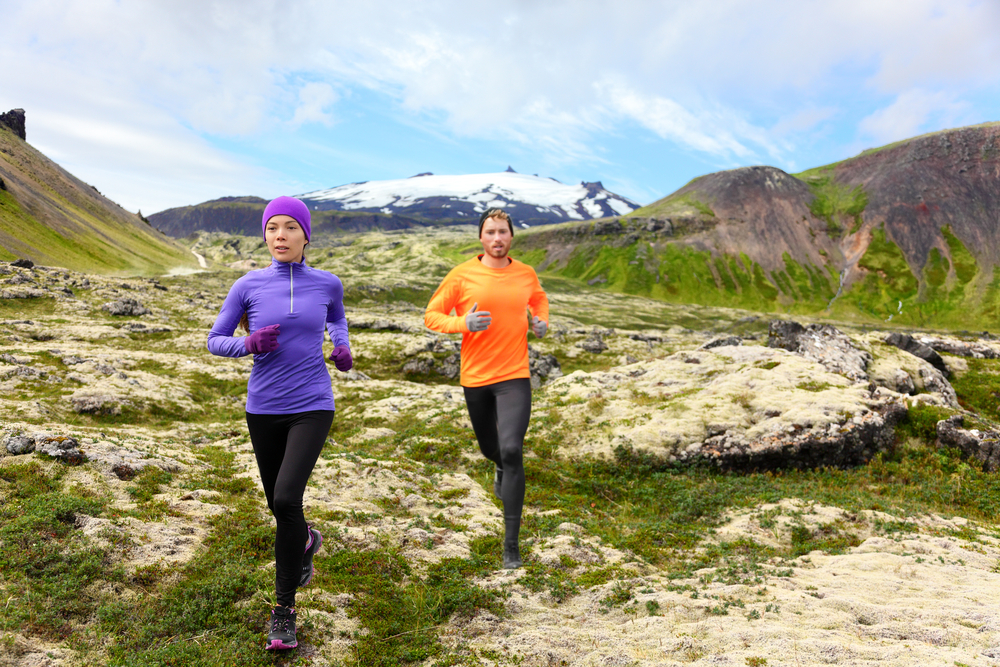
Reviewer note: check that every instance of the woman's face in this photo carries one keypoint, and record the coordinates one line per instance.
(285, 238)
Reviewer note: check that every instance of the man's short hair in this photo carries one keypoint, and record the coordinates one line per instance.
(495, 213)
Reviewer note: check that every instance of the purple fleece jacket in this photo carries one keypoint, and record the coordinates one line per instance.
(303, 300)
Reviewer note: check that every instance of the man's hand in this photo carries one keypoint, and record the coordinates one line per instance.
(539, 326)
(477, 321)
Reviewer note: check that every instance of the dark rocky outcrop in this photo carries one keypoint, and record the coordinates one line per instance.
(822, 343)
(14, 119)
(858, 444)
(961, 348)
(983, 446)
(594, 343)
(722, 341)
(543, 367)
(907, 343)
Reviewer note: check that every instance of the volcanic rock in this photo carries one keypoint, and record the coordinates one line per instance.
(64, 448)
(983, 446)
(14, 119)
(822, 343)
(738, 407)
(19, 444)
(907, 343)
(125, 307)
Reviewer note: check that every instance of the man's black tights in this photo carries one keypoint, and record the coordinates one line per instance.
(500, 414)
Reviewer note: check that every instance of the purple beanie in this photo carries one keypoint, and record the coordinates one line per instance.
(291, 207)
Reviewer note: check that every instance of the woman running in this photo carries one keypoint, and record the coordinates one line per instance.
(290, 406)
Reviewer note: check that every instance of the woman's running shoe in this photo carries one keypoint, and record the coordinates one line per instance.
(282, 634)
(312, 546)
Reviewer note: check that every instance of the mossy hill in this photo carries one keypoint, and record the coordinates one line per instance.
(51, 217)
(908, 233)
(241, 215)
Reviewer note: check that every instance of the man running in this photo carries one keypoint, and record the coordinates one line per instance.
(493, 294)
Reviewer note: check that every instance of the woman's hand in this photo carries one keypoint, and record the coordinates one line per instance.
(341, 358)
(263, 340)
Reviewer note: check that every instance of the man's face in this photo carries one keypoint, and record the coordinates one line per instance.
(495, 237)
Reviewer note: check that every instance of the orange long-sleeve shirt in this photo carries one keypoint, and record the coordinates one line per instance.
(501, 351)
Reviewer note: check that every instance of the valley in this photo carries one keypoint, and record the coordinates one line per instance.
(697, 493)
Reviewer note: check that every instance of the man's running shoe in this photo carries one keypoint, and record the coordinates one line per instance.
(312, 546)
(282, 634)
(497, 480)
(511, 556)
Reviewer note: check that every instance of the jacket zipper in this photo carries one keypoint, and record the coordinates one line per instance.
(291, 289)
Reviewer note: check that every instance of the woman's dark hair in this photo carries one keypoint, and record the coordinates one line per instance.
(245, 322)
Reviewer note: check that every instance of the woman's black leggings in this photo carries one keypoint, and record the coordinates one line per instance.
(287, 448)
(500, 414)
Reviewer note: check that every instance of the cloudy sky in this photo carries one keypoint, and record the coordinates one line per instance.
(168, 103)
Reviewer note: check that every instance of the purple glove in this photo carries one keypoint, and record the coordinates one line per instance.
(263, 340)
(341, 358)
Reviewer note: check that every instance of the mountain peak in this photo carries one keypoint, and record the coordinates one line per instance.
(510, 170)
(532, 200)
(426, 173)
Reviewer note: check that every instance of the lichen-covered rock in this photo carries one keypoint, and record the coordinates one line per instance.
(64, 448)
(822, 343)
(722, 341)
(744, 407)
(984, 446)
(125, 307)
(594, 344)
(543, 367)
(897, 370)
(19, 444)
(94, 403)
(907, 343)
(419, 365)
(975, 350)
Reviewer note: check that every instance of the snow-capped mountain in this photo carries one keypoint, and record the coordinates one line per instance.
(530, 200)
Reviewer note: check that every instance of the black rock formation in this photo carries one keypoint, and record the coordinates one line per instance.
(14, 119)
(907, 343)
(984, 446)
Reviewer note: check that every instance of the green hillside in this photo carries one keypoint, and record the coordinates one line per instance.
(53, 218)
(906, 233)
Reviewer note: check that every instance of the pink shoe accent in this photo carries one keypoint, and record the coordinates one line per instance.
(277, 644)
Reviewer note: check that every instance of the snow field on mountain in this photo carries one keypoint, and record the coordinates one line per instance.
(505, 189)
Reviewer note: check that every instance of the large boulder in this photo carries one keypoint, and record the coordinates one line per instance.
(735, 407)
(822, 343)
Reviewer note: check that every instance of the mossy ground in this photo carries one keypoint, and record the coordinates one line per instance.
(68, 589)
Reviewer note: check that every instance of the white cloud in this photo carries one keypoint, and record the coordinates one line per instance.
(731, 80)
(315, 99)
(671, 121)
(909, 114)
